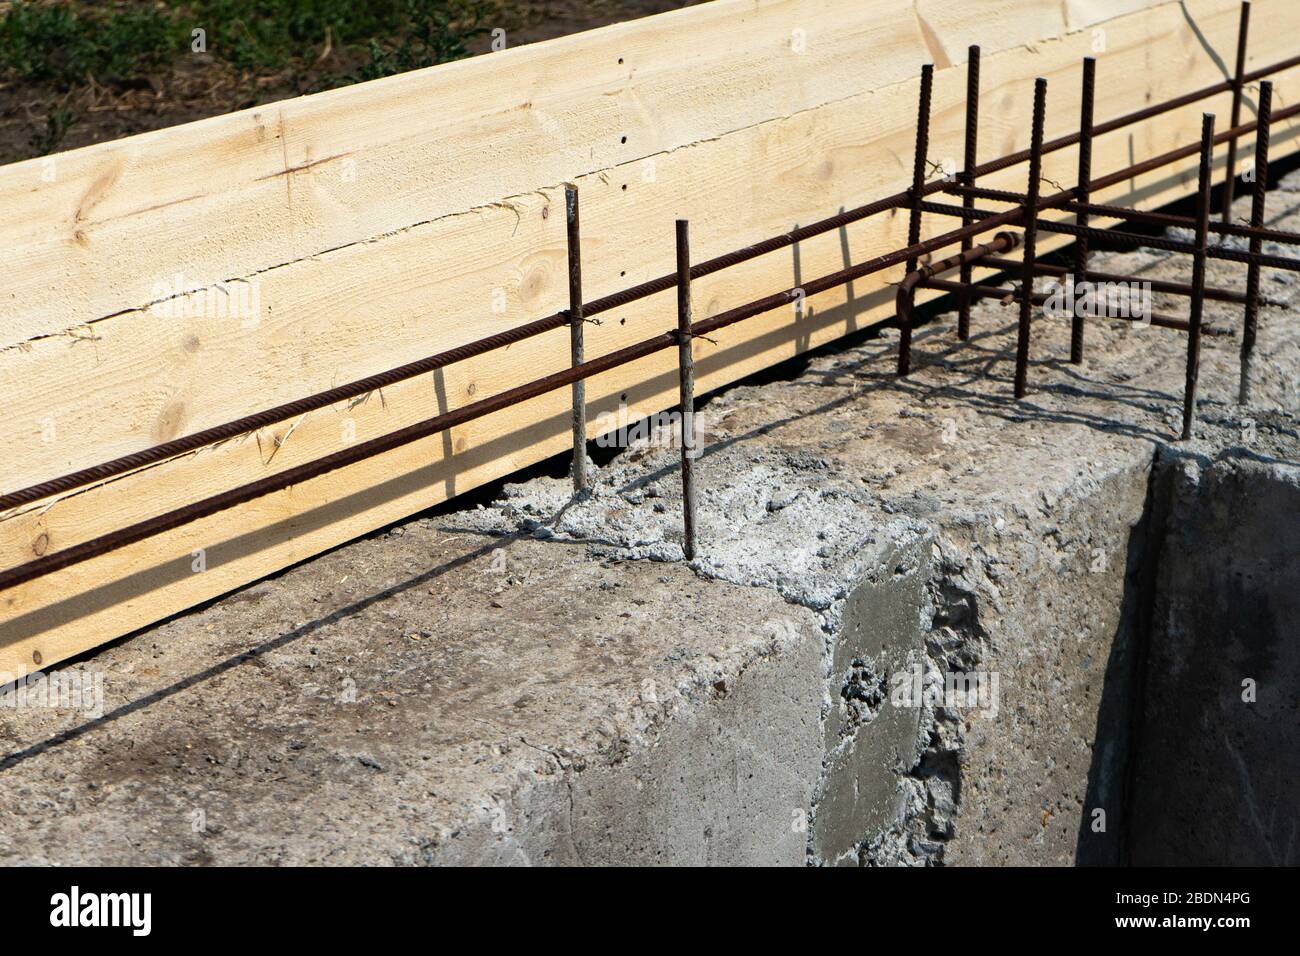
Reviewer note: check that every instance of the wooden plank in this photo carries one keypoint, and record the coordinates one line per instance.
(142, 376)
(97, 230)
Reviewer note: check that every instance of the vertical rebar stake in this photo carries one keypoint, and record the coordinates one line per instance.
(686, 381)
(1198, 274)
(1238, 88)
(968, 179)
(916, 196)
(1031, 235)
(1256, 221)
(1084, 195)
(575, 341)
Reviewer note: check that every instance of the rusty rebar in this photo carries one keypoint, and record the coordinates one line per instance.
(214, 504)
(1136, 215)
(579, 388)
(905, 297)
(1083, 192)
(1188, 222)
(1198, 273)
(968, 176)
(686, 386)
(1030, 239)
(980, 290)
(1238, 88)
(915, 197)
(298, 474)
(1213, 293)
(1124, 240)
(1251, 317)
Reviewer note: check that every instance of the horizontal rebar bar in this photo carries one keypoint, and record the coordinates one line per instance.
(1157, 285)
(1126, 239)
(1137, 116)
(1007, 294)
(1137, 215)
(905, 298)
(1187, 222)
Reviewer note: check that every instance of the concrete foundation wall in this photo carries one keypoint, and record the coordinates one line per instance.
(1059, 630)
(728, 783)
(1218, 756)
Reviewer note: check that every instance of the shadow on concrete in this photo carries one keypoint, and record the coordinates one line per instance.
(9, 761)
(1103, 823)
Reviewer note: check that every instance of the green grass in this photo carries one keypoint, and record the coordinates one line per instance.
(392, 35)
(64, 42)
(46, 140)
(435, 32)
